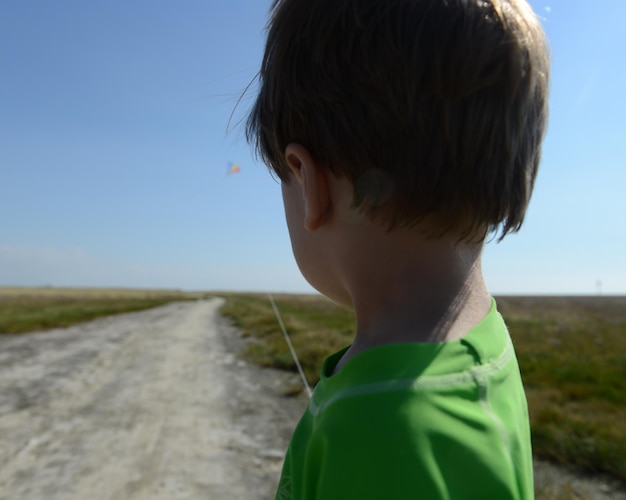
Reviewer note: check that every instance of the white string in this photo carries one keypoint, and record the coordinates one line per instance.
(293, 351)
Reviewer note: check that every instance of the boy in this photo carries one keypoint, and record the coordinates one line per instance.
(405, 132)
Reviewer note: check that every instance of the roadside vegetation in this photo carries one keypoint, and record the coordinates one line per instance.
(31, 309)
(571, 351)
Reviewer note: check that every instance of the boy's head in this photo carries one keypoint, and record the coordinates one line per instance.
(433, 109)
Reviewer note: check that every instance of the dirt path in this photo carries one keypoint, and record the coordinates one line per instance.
(156, 405)
(146, 405)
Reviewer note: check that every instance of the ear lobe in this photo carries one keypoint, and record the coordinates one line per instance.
(312, 177)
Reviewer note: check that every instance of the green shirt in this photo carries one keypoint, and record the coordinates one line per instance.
(441, 420)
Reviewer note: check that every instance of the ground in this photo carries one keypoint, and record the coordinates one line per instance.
(154, 405)
(145, 405)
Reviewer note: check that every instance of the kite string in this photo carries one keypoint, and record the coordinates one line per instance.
(293, 351)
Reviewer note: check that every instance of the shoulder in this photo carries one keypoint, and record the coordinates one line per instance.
(377, 446)
(370, 436)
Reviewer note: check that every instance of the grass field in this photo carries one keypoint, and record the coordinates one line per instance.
(30, 309)
(571, 351)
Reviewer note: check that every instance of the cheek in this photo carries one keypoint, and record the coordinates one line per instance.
(309, 249)
(302, 244)
(293, 209)
(294, 215)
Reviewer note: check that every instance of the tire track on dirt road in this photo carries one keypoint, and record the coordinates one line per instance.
(144, 405)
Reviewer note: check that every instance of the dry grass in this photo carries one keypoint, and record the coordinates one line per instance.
(564, 492)
(571, 350)
(30, 309)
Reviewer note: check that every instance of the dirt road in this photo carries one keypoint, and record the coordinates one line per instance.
(149, 405)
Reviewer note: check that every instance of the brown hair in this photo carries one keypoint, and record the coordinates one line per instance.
(429, 107)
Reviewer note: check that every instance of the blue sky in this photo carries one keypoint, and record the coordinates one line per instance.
(114, 152)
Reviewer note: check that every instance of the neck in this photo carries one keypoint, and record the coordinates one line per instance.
(432, 291)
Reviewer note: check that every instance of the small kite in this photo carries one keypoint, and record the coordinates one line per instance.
(233, 168)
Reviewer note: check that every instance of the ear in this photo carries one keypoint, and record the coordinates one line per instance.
(311, 175)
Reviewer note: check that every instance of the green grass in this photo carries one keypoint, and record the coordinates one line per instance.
(31, 309)
(316, 327)
(571, 351)
(572, 354)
